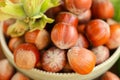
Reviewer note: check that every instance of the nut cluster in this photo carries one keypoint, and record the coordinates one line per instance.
(79, 39)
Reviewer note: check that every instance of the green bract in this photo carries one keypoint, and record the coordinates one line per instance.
(32, 7)
(17, 29)
(28, 13)
(10, 10)
(40, 22)
(49, 4)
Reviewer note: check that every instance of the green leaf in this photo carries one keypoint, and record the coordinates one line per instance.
(40, 23)
(116, 4)
(12, 10)
(49, 4)
(17, 29)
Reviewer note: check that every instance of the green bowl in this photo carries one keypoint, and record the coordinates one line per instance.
(42, 75)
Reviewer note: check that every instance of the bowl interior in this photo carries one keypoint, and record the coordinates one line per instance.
(42, 75)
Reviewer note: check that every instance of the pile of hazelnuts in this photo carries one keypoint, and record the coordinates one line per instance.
(80, 38)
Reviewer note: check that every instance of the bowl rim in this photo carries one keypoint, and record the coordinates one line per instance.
(4, 46)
